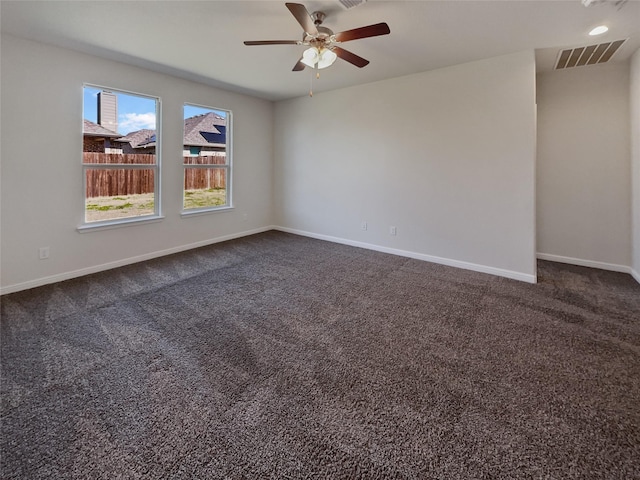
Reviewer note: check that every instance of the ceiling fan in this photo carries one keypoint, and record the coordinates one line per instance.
(322, 42)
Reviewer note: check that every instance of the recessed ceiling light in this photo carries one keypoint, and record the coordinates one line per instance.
(599, 30)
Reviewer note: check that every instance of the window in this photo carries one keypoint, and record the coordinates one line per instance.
(206, 159)
(120, 157)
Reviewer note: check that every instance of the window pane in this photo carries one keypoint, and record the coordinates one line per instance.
(118, 123)
(205, 187)
(205, 132)
(119, 193)
(119, 129)
(206, 158)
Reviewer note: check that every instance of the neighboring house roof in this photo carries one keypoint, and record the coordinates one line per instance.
(205, 130)
(144, 138)
(94, 130)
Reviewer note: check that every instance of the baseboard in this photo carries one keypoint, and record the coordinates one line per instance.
(585, 263)
(635, 275)
(126, 261)
(523, 277)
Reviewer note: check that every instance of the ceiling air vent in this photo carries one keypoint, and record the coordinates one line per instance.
(351, 3)
(590, 55)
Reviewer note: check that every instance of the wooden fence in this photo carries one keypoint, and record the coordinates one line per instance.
(117, 181)
(199, 178)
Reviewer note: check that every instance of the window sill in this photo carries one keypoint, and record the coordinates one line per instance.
(204, 211)
(93, 227)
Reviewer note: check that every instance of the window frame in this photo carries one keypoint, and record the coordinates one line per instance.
(227, 166)
(156, 167)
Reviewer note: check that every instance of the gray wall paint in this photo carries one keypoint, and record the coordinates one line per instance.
(42, 191)
(448, 157)
(584, 191)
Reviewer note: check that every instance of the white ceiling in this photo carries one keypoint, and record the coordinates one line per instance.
(202, 40)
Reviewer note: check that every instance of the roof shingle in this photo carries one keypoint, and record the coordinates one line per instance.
(205, 130)
(93, 129)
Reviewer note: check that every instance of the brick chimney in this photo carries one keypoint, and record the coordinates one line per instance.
(108, 110)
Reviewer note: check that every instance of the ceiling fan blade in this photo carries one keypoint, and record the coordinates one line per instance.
(363, 32)
(299, 66)
(350, 57)
(302, 16)
(273, 42)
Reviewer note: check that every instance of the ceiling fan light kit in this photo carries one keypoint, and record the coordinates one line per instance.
(322, 43)
(318, 58)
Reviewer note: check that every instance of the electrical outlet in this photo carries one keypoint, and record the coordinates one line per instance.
(393, 231)
(364, 225)
(43, 253)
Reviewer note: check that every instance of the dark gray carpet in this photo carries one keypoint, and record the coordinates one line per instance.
(283, 357)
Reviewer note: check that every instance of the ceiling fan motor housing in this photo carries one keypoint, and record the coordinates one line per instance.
(323, 38)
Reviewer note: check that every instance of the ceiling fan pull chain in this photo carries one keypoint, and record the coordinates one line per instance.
(317, 75)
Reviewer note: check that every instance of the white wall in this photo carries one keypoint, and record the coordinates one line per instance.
(447, 156)
(41, 196)
(584, 192)
(635, 163)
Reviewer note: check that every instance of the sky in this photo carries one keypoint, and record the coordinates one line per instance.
(135, 112)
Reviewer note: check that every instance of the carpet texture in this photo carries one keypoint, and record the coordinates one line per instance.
(282, 357)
